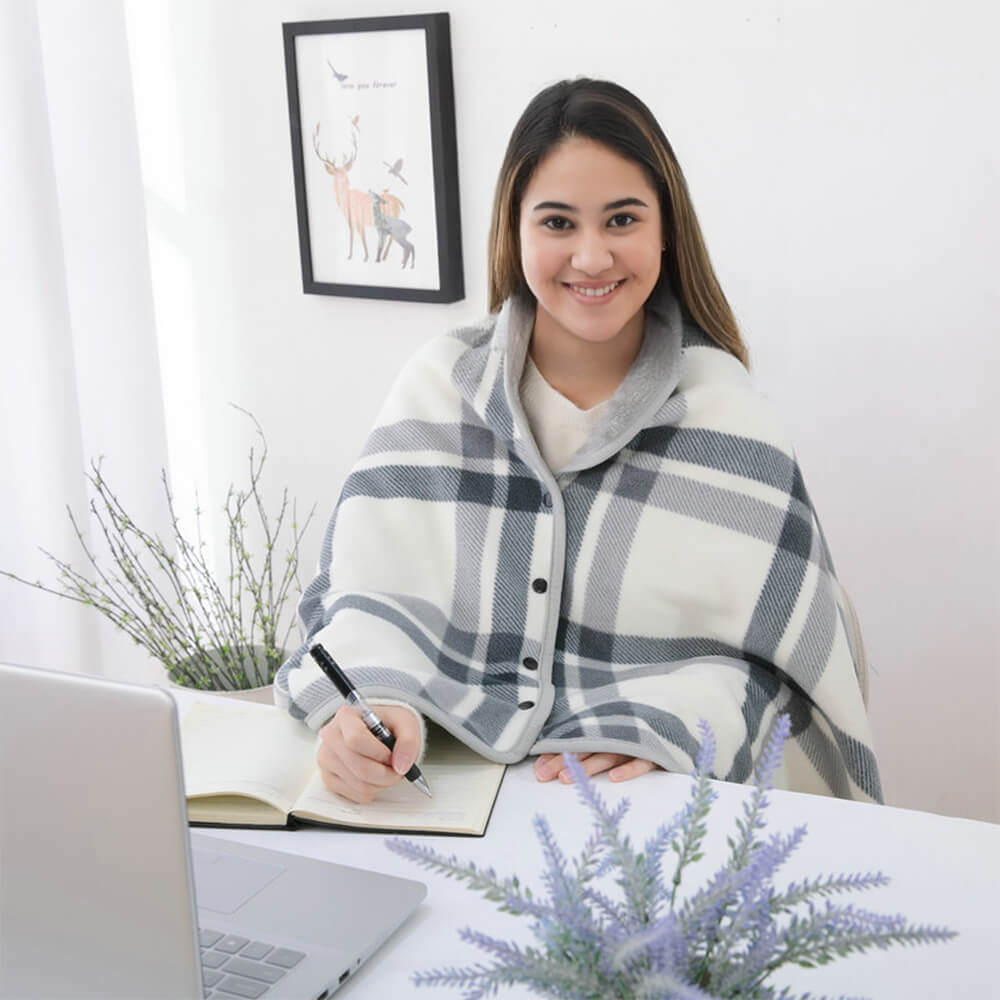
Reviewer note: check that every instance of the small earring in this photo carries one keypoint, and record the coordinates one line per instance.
(663, 248)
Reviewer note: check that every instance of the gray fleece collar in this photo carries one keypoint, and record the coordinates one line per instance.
(650, 382)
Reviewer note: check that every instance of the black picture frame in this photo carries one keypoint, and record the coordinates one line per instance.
(375, 85)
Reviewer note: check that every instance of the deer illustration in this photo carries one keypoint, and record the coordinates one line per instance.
(354, 204)
(390, 228)
(390, 207)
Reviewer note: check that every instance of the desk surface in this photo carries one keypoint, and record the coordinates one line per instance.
(944, 871)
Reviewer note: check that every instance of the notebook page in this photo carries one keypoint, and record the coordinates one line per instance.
(254, 750)
(464, 784)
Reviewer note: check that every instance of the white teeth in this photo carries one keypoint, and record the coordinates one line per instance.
(595, 292)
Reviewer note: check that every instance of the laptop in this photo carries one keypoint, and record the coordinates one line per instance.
(105, 893)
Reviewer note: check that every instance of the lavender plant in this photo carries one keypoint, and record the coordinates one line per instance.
(725, 939)
(165, 595)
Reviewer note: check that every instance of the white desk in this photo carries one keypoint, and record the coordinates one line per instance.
(944, 872)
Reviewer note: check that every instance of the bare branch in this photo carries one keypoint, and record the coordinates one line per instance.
(168, 600)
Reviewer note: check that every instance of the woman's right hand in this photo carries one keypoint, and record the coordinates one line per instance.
(355, 764)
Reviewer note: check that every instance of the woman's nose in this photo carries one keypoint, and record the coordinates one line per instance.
(591, 253)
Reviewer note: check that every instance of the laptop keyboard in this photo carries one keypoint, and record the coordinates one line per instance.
(233, 966)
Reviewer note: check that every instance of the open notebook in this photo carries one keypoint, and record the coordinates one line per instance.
(253, 765)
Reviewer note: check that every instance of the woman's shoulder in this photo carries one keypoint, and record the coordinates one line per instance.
(705, 363)
(425, 386)
(720, 395)
(444, 349)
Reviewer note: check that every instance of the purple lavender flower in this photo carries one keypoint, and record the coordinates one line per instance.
(724, 940)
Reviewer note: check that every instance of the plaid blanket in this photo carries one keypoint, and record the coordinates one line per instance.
(673, 571)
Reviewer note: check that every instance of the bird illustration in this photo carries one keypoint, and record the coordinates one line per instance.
(395, 168)
(341, 77)
(354, 121)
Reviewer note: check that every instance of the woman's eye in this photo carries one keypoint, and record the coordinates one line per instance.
(557, 222)
(621, 219)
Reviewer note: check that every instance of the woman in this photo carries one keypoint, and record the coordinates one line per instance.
(575, 526)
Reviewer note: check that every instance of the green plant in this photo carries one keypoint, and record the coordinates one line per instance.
(165, 595)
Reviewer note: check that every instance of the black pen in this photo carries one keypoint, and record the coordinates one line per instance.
(375, 725)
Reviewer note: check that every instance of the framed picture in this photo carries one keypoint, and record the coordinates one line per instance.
(372, 111)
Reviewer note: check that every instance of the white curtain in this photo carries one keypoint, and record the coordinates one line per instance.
(80, 369)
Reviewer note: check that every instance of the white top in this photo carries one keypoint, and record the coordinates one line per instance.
(560, 427)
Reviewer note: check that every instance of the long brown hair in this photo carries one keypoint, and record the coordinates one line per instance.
(609, 114)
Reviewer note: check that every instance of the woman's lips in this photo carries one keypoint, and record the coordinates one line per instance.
(592, 294)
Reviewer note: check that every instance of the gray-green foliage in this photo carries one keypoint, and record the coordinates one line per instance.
(163, 593)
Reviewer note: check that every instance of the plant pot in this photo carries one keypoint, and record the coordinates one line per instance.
(259, 693)
(262, 695)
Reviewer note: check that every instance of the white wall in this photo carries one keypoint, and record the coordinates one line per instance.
(843, 172)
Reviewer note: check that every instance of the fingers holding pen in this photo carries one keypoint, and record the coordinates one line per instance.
(356, 764)
(406, 727)
(351, 761)
(356, 739)
(353, 758)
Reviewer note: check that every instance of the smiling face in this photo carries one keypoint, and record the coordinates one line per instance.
(591, 245)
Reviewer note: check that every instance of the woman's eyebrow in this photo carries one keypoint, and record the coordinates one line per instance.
(611, 206)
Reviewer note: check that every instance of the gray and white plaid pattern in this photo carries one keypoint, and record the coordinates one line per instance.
(673, 571)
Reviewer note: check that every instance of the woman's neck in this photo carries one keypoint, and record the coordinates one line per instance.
(585, 372)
